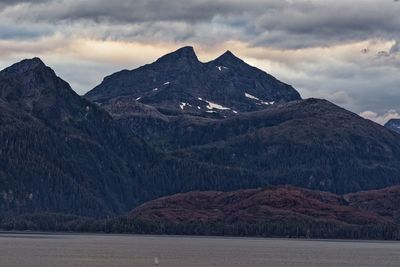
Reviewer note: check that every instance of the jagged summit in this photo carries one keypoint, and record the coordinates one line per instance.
(35, 61)
(35, 88)
(30, 77)
(25, 65)
(228, 57)
(178, 83)
(184, 53)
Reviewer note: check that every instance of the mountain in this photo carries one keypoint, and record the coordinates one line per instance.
(394, 125)
(60, 153)
(283, 211)
(178, 83)
(309, 143)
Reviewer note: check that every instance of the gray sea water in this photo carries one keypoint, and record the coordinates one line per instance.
(59, 250)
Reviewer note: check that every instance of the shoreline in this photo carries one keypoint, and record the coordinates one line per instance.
(44, 233)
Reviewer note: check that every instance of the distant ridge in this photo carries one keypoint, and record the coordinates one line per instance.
(178, 83)
(283, 211)
(394, 125)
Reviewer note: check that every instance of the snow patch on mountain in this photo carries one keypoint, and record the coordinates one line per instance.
(183, 105)
(212, 105)
(256, 98)
(251, 96)
(220, 68)
(268, 103)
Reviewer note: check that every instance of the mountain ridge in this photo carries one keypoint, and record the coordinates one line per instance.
(61, 144)
(179, 83)
(275, 211)
(61, 153)
(299, 142)
(99, 159)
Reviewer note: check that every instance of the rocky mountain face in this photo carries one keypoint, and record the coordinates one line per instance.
(178, 83)
(394, 125)
(309, 143)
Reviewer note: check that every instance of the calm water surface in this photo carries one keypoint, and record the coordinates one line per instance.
(54, 250)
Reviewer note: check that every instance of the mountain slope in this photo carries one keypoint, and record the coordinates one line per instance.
(282, 211)
(273, 211)
(178, 83)
(60, 152)
(254, 206)
(310, 143)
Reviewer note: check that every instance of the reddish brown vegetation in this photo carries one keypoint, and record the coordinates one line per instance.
(384, 202)
(255, 206)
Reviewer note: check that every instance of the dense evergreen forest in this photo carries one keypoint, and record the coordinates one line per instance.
(123, 225)
(68, 163)
(282, 211)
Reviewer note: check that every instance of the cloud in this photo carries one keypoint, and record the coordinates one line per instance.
(289, 24)
(15, 2)
(327, 22)
(131, 11)
(340, 97)
(344, 51)
(381, 119)
(7, 3)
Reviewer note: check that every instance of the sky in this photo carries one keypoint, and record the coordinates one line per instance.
(345, 51)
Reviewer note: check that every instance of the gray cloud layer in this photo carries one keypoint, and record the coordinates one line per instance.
(319, 43)
(290, 24)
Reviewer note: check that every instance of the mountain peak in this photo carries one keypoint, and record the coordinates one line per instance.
(25, 66)
(228, 53)
(228, 57)
(35, 60)
(185, 53)
(32, 84)
(179, 83)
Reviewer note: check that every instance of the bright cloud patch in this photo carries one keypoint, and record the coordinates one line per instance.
(381, 119)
